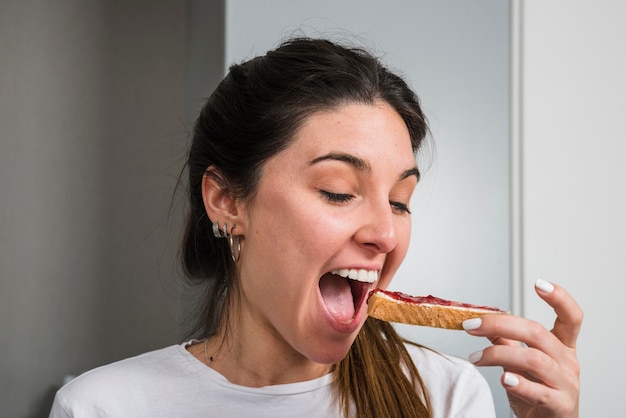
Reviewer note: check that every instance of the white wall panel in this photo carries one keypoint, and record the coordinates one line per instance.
(574, 186)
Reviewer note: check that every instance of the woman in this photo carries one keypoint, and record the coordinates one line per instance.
(301, 171)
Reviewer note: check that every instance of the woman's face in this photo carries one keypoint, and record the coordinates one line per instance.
(333, 204)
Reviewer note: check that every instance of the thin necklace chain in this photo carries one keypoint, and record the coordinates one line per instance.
(207, 359)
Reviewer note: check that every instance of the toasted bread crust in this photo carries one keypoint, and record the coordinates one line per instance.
(438, 316)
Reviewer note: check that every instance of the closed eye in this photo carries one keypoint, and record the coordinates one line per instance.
(336, 197)
(400, 207)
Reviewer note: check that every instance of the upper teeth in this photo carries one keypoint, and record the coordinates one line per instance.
(362, 275)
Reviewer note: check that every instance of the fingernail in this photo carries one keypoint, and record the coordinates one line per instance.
(471, 324)
(544, 286)
(510, 380)
(475, 357)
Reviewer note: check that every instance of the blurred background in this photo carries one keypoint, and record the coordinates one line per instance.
(523, 180)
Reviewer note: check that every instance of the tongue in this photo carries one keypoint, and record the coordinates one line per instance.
(337, 296)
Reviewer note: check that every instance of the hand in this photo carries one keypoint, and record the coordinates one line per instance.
(541, 371)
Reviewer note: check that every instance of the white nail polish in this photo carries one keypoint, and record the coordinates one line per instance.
(471, 324)
(544, 286)
(510, 380)
(475, 357)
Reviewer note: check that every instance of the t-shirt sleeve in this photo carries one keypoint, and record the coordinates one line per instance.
(473, 398)
(456, 389)
(58, 410)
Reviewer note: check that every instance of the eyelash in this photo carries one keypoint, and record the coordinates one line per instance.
(400, 207)
(344, 198)
(336, 197)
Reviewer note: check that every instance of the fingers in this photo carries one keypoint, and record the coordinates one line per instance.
(569, 315)
(527, 391)
(534, 381)
(510, 330)
(566, 326)
(532, 363)
(541, 371)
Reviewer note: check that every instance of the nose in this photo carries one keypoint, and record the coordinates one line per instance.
(378, 230)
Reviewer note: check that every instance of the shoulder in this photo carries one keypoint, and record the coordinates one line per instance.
(431, 362)
(144, 377)
(158, 364)
(454, 385)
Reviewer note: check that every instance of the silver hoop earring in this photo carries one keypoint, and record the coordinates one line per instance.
(231, 241)
(216, 230)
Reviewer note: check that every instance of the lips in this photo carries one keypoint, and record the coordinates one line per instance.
(344, 292)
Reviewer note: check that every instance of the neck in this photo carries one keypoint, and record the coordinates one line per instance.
(254, 358)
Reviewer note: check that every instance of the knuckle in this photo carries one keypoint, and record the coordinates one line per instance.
(495, 353)
(536, 360)
(574, 368)
(545, 398)
(536, 331)
(578, 316)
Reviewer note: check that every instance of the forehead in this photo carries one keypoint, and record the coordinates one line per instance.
(370, 131)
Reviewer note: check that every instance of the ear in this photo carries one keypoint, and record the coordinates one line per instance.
(219, 204)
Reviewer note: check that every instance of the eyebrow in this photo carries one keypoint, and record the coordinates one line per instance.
(358, 163)
(411, 172)
(361, 165)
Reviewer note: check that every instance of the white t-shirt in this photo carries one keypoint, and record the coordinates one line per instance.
(171, 382)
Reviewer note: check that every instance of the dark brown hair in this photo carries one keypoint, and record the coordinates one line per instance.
(253, 114)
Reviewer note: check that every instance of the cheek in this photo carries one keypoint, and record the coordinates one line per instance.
(396, 257)
(286, 229)
(404, 238)
(313, 235)
(300, 218)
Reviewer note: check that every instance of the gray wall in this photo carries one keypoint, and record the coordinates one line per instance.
(92, 130)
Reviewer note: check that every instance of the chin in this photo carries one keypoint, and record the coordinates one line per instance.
(333, 352)
(331, 358)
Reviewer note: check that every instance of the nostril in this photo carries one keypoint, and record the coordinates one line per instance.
(380, 246)
(381, 242)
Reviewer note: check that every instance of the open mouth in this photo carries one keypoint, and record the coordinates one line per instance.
(345, 291)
